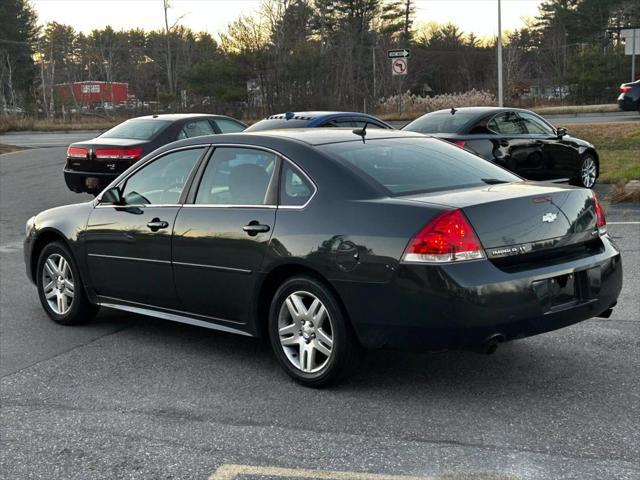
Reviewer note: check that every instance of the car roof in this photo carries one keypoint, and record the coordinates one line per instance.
(313, 115)
(482, 110)
(180, 116)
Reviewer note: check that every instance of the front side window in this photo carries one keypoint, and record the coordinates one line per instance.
(534, 125)
(507, 123)
(237, 176)
(161, 182)
(295, 189)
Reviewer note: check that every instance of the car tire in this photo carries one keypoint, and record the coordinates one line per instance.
(309, 333)
(587, 173)
(60, 287)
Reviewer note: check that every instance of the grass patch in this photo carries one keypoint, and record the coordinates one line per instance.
(13, 124)
(618, 145)
(571, 109)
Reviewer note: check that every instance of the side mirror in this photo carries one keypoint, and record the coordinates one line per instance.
(561, 132)
(112, 196)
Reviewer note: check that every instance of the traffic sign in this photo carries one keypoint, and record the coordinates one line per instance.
(401, 53)
(399, 66)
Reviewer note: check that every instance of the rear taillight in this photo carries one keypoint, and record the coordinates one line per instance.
(601, 221)
(625, 88)
(460, 143)
(448, 237)
(118, 153)
(76, 152)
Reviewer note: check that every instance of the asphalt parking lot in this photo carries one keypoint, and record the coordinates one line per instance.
(132, 397)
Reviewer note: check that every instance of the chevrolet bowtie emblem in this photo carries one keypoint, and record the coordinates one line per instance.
(549, 217)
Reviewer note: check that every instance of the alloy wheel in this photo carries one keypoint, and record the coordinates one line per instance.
(57, 284)
(588, 172)
(305, 331)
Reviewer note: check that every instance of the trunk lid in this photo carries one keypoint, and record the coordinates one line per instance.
(520, 218)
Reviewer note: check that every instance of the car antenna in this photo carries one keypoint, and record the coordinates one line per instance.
(362, 131)
(453, 110)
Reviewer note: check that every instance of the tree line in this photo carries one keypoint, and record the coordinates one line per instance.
(320, 54)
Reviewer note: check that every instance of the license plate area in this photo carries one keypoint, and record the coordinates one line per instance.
(568, 290)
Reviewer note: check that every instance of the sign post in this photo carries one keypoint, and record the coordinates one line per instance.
(399, 68)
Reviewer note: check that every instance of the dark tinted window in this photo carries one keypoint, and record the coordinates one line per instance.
(229, 126)
(359, 123)
(535, 125)
(195, 128)
(161, 181)
(295, 189)
(137, 129)
(507, 123)
(237, 176)
(416, 165)
(272, 124)
(441, 122)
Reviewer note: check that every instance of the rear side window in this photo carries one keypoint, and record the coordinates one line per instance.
(413, 165)
(229, 126)
(441, 122)
(295, 189)
(237, 176)
(507, 123)
(195, 128)
(137, 129)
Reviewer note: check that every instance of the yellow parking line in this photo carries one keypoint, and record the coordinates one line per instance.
(231, 472)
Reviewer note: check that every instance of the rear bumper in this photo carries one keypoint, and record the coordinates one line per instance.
(627, 103)
(461, 306)
(77, 180)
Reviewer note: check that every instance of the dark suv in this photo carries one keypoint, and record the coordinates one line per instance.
(93, 164)
(629, 98)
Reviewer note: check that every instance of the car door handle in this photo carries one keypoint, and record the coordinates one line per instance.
(254, 228)
(156, 224)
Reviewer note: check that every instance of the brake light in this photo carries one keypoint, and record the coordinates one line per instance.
(460, 143)
(448, 237)
(76, 152)
(118, 153)
(601, 221)
(624, 88)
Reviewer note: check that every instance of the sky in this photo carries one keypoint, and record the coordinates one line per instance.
(478, 16)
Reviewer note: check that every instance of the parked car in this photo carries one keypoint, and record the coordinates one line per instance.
(629, 98)
(318, 119)
(516, 139)
(326, 239)
(93, 164)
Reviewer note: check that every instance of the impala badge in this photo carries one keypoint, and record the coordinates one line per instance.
(549, 217)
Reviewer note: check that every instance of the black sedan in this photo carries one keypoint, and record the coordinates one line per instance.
(326, 240)
(93, 164)
(516, 139)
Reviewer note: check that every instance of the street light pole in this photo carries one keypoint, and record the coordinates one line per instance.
(500, 88)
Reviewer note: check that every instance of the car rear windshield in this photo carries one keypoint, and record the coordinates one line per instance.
(441, 122)
(272, 124)
(137, 129)
(404, 166)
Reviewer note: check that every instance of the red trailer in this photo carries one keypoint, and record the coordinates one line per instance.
(92, 93)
